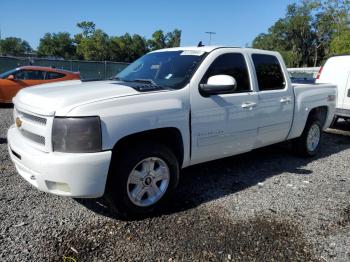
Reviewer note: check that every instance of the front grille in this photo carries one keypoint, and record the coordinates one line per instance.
(33, 137)
(36, 119)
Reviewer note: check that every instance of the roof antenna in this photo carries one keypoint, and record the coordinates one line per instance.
(200, 44)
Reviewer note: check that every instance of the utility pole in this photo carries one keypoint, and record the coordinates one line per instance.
(210, 34)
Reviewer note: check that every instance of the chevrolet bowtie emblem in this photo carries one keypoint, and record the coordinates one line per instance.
(18, 122)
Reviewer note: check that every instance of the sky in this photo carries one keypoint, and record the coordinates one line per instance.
(235, 22)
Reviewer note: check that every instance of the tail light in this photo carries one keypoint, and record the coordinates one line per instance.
(319, 73)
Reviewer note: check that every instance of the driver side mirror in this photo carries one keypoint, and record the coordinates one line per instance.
(11, 77)
(218, 84)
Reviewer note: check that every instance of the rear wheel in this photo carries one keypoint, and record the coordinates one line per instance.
(141, 179)
(308, 143)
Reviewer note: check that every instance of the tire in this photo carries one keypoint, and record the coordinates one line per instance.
(308, 145)
(131, 185)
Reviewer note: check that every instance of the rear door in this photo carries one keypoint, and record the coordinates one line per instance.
(276, 100)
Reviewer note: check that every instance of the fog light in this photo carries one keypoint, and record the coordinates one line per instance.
(57, 186)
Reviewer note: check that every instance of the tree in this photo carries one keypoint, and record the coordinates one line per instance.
(341, 43)
(332, 19)
(57, 45)
(304, 35)
(291, 35)
(158, 40)
(173, 38)
(338, 11)
(94, 44)
(94, 47)
(87, 27)
(128, 48)
(14, 46)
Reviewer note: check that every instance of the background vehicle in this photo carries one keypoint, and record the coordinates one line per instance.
(128, 138)
(336, 71)
(14, 80)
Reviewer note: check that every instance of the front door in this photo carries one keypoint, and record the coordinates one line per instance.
(224, 124)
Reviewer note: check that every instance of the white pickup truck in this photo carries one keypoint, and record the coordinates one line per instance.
(127, 138)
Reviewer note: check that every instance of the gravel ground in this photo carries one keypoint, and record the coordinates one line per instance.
(267, 205)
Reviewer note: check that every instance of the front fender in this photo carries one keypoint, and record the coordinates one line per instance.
(125, 116)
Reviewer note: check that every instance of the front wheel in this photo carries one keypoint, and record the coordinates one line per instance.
(141, 178)
(308, 143)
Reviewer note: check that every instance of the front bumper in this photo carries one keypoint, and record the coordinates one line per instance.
(76, 175)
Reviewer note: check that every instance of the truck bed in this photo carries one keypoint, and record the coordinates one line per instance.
(311, 96)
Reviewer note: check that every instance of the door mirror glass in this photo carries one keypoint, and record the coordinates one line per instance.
(219, 84)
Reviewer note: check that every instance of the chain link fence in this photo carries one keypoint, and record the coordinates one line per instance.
(89, 70)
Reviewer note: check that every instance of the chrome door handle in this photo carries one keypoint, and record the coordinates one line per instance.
(285, 100)
(248, 105)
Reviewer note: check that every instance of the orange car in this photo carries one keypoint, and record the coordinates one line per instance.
(14, 80)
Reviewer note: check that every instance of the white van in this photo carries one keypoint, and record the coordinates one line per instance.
(336, 70)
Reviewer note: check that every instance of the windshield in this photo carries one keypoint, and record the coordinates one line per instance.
(6, 74)
(171, 69)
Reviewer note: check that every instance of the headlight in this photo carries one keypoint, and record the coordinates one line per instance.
(76, 135)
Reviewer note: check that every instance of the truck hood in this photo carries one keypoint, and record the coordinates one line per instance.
(48, 98)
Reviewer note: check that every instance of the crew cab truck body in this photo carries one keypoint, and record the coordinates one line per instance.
(128, 138)
(336, 71)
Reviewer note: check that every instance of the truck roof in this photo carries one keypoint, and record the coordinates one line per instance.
(211, 48)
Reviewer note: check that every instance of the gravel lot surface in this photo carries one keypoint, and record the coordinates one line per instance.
(262, 206)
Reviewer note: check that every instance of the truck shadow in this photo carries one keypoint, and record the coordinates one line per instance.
(206, 182)
(342, 127)
(3, 140)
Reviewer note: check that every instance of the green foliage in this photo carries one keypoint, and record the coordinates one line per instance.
(341, 43)
(14, 46)
(305, 34)
(57, 45)
(127, 48)
(173, 38)
(95, 46)
(160, 40)
(87, 27)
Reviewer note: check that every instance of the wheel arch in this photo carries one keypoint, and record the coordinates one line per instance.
(300, 119)
(320, 113)
(168, 136)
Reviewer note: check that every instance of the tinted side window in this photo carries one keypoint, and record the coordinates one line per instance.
(54, 75)
(269, 72)
(233, 65)
(30, 75)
